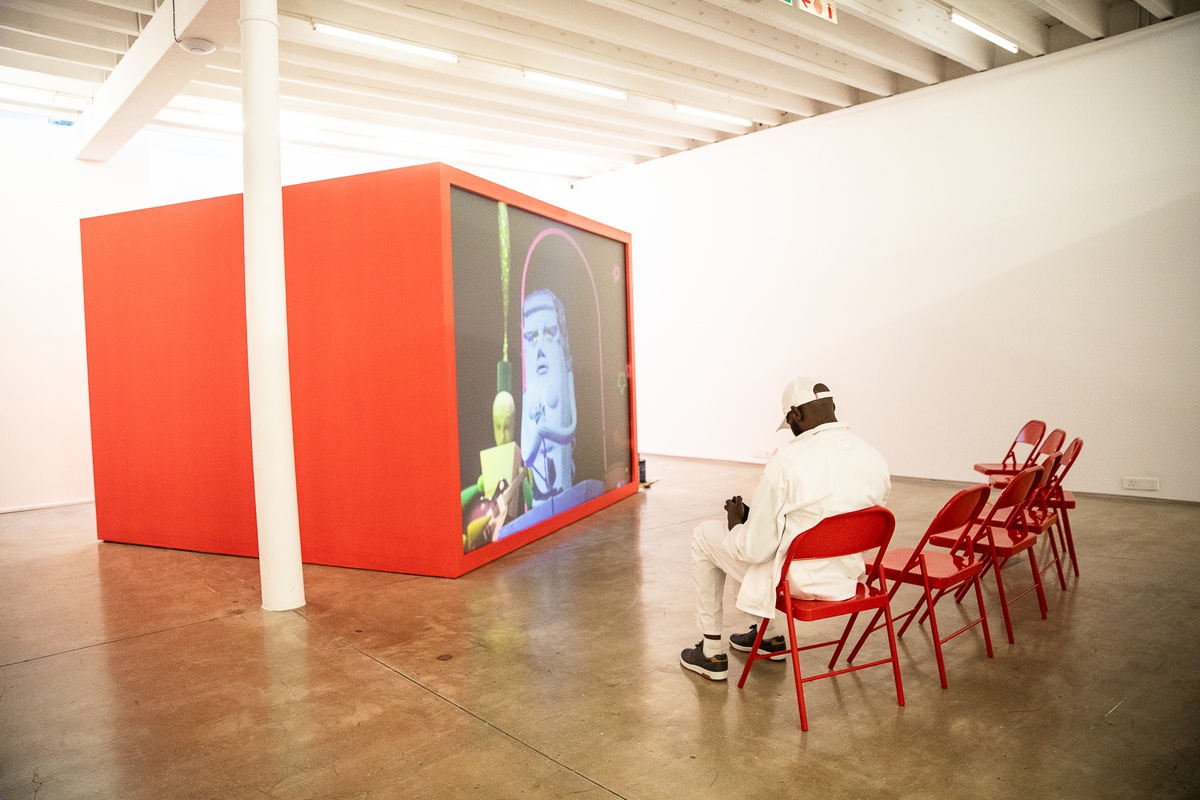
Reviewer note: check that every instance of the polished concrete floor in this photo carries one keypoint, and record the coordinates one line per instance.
(131, 672)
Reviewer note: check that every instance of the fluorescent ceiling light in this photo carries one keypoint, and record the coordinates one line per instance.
(717, 115)
(977, 29)
(578, 86)
(380, 41)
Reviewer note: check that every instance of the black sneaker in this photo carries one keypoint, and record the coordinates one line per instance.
(715, 668)
(775, 649)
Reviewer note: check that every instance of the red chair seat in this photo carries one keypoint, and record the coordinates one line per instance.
(996, 468)
(867, 598)
(944, 570)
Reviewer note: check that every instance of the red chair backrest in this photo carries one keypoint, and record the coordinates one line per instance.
(1031, 434)
(1039, 495)
(961, 509)
(1064, 466)
(958, 514)
(1068, 458)
(844, 535)
(1053, 442)
(1010, 505)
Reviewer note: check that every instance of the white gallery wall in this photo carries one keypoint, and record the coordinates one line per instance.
(1021, 243)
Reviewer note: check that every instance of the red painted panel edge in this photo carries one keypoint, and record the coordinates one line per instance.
(165, 328)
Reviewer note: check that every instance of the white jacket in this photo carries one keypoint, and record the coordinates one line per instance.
(822, 472)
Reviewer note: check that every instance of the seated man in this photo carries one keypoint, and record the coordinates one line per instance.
(825, 470)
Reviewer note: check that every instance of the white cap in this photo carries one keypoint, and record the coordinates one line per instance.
(799, 392)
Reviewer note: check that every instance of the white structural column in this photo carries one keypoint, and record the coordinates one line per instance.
(266, 313)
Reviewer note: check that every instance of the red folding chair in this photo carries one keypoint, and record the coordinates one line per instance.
(1051, 444)
(841, 535)
(1003, 533)
(937, 572)
(1030, 434)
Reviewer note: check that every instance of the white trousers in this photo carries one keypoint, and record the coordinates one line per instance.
(712, 559)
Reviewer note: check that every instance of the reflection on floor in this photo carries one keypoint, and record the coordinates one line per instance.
(131, 672)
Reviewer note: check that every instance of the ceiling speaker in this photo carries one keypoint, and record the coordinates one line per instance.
(200, 47)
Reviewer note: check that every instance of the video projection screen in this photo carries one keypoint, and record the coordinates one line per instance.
(541, 335)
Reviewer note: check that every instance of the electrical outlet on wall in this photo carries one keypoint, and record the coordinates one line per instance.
(1140, 484)
(764, 453)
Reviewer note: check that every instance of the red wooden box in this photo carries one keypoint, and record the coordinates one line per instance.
(400, 341)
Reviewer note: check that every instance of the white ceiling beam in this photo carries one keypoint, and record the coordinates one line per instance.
(701, 19)
(490, 34)
(1163, 9)
(617, 28)
(430, 130)
(371, 121)
(153, 71)
(927, 24)
(41, 80)
(592, 42)
(57, 50)
(551, 50)
(15, 19)
(1009, 21)
(485, 122)
(851, 35)
(339, 89)
(405, 152)
(504, 107)
(90, 14)
(27, 63)
(207, 102)
(478, 83)
(143, 7)
(1089, 17)
(400, 114)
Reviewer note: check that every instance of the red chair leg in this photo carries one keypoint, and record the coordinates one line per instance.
(1004, 605)
(1037, 582)
(796, 672)
(1062, 580)
(837, 651)
(1066, 530)
(754, 656)
(937, 637)
(887, 615)
(987, 636)
(928, 610)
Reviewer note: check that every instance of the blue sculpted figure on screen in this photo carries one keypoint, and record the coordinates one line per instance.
(548, 403)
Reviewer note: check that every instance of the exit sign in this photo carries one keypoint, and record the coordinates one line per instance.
(818, 8)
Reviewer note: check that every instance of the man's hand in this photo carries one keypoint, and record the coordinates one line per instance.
(736, 512)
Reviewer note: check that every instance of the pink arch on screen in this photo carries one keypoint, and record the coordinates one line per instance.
(599, 340)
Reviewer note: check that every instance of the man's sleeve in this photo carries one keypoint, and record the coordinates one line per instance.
(756, 540)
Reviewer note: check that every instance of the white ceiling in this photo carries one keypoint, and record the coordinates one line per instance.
(112, 67)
